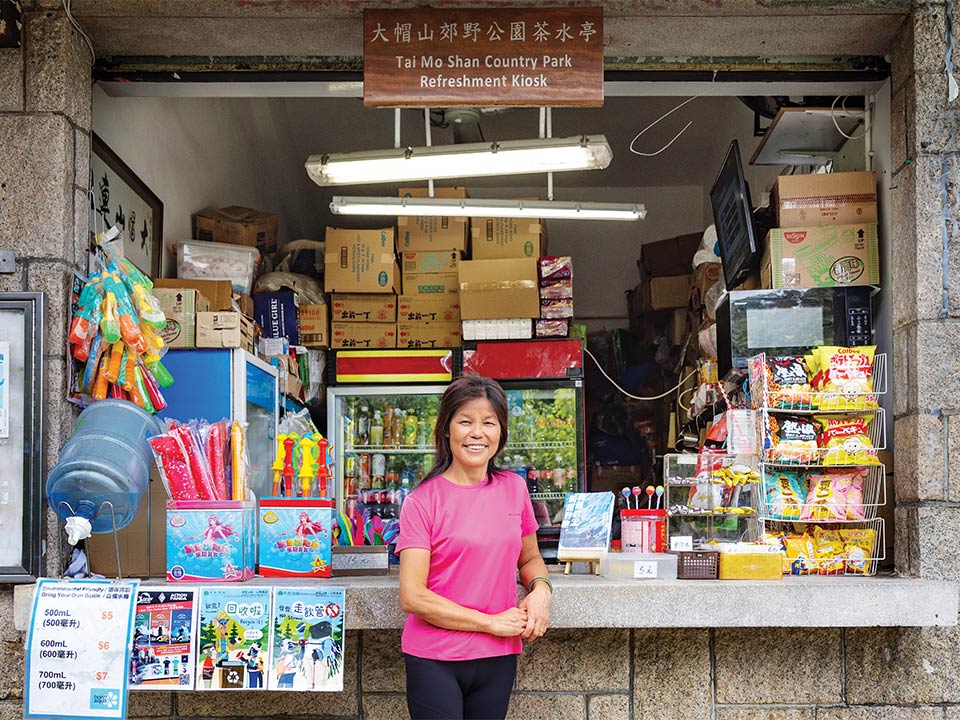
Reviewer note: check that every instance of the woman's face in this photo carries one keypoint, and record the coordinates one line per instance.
(474, 434)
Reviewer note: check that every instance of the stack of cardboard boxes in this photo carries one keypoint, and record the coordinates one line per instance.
(499, 287)
(362, 274)
(200, 314)
(827, 232)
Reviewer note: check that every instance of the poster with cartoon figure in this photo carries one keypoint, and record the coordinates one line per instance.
(162, 654)
(306, 639)
(233, 631)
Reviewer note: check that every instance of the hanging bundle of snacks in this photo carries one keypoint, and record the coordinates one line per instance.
(196, 458)
(844, 377)
(792, 438)
(846, 441)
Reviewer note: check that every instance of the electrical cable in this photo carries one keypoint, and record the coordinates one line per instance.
(666, 114)
(86, 38)
(836, 124)
(638, 397)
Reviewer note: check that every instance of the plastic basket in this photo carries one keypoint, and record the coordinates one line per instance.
(698, 565)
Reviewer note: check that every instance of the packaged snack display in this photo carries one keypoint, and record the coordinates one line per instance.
(556, 308)
(827, 551)
(844, 376)
(785, 491)
(858, 549)
(555, 268)
(788, 382)
(826, 499)
(846, 440)
(553, 328)
(793, 439)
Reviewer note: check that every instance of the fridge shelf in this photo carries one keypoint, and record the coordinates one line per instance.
(558, 445)
(387, 450)
(548, 495)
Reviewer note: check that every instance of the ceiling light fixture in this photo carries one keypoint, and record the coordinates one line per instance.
(453, 207)
(437, 162)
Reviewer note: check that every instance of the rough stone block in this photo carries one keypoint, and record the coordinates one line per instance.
(906, 553)
(902, 666)
(572, 660)
(81, 228)
(608, 707)
(901, 56)
(764, 713)
(149, 704)
(939, 528)
(81, 166)
(12, 645)
(932, 116)
(938, 365)
(813, 659)
(918, 240)
(898, 132)
(953, 458)
(11, 710)
(381, 666)
(37, 206)
(929, 39)
(57, 549)
(680, 662)
(57, 68)
(384, 706)
(524, 706)
(15, 281)
(919, 457)
(902, 372)
(878, 713)
(11, 80)
(54, 279)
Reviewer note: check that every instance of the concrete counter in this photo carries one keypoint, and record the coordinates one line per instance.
(587, 601)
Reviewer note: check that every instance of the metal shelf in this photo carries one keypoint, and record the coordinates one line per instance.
(548, 495)
(377, 449)
(516, 447)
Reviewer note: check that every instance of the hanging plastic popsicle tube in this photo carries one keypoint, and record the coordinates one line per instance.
(107, 459)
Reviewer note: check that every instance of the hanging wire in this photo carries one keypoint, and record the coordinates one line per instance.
(667, 114)
(86, 38)
(843, 106)
(638, 397)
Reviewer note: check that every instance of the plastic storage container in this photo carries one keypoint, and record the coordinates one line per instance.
(645, 566)
(198, 260)
(106, 459)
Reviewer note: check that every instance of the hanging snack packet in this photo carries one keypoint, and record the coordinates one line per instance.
(846, 440)
(858, 548)
(857, 480)
(846, 377)
(827, 498)
(784, 493)
(793, 440)
(215, 437)
(797, 556)
(829, 553)
(788, 383)
(174, 465)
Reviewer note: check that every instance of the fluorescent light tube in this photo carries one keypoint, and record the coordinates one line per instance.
(437, 162)
(453, 207)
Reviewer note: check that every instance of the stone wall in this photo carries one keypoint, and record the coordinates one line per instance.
(727, 674)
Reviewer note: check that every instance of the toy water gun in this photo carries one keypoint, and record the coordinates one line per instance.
(139, 286)
(277, 466)
(323, 473)
(86, 318)
(288, 473)
(129, 326)
(307, 463)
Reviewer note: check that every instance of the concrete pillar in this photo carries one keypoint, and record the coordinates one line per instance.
(44, 167)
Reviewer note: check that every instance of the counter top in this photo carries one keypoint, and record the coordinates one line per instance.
(588, 601)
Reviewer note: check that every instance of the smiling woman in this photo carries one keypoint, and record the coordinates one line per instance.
(464, 533)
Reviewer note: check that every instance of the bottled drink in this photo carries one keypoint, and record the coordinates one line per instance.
(377, 470)
(388, 427)
(349, 476)
(363, 472)
(376, 430)
(533, 480)
(397, 428)
(391, 475)
(559, 475)
(349, 423)
(405, 488)
(572, 480)
(410, 428)
(423, 434)
(363, 427)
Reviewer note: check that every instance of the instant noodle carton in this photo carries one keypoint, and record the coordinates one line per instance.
(824, 256)
(295, 537)
(210, 541)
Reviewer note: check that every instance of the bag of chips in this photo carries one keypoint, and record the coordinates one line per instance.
(845, 377)
(847, 440)
(788, 383)
(784, 491)
(858, 549)
(827, 498)
(793, 439)
(828, 551)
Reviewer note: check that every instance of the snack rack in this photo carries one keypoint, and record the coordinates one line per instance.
(695, 502)
(837, 538)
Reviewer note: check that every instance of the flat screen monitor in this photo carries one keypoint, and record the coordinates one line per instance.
(733, 216)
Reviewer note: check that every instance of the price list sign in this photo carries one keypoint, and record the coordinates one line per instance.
(78, 649)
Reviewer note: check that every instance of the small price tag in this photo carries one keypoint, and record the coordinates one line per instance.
(644, 569)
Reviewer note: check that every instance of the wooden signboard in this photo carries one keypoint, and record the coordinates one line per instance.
(447, 57)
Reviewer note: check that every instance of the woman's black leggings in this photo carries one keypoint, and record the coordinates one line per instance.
(459, 689)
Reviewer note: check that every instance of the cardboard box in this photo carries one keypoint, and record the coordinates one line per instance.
(428, 334)
(361, 261)
(224, 330)
(245, 303)
(143, 543)
(315, 326)
(238, 226)
(496, 238)
(180, 306)
(825, 256)
(440, 261)
(673, 256)
(826, 199)
(363, 335)
(436, 307)
(191, 560)
(504, 288)
(363, 308)
(284, 553)
(277, 314)
(751, 566)
(706, 276)
(672, 291)
(217, 292)
(429, 232)
(431, 283)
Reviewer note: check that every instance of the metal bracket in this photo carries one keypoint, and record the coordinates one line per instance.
(8, 261)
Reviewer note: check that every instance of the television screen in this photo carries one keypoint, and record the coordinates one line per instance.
(733, 215)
